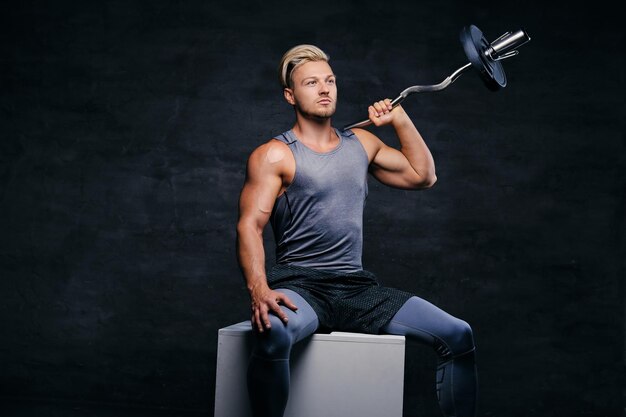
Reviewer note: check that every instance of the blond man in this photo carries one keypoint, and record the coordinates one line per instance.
(310, 183)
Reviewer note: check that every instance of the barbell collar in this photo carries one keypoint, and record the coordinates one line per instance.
(502, 47)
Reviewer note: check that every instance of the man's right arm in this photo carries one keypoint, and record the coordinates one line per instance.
(264, 181)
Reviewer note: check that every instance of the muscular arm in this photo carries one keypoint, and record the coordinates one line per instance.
(265, 175)
(411, 167)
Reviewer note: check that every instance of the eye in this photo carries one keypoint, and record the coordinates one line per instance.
(312, 82)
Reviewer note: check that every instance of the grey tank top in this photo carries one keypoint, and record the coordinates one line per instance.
(318, 220)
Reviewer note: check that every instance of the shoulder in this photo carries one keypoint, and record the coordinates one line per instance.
(363, 134)
(273, 155)
(273, 150)
(370, 141)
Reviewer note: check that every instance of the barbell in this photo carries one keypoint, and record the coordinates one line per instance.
(483, 56)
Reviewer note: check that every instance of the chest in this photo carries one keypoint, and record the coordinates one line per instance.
(342, 173)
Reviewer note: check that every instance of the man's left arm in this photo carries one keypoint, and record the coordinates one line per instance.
(411, 167)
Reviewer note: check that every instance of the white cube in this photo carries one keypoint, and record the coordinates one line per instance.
(332, 375)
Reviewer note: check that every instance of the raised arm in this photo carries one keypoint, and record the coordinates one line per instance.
(412, 167)
(267, 171)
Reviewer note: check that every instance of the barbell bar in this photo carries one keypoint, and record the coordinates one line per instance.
(484, 56)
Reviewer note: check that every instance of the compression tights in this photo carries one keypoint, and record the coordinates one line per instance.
(417, 319)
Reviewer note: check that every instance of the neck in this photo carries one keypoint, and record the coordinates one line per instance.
(314, 131)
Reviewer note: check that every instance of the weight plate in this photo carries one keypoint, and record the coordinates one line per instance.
(475, 46)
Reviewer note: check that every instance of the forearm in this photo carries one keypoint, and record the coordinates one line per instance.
(413, 146)
(251, 256)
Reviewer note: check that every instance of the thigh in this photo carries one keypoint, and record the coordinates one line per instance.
(303, 322)
(425, 322)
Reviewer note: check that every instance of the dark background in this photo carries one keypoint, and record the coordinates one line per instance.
(125, 132)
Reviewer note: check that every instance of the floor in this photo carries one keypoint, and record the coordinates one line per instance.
(22, 408)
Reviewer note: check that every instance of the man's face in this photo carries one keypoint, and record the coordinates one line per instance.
(314, 92)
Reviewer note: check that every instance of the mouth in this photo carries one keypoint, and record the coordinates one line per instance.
(325, 101)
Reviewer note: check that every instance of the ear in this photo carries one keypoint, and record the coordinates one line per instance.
(288, 93)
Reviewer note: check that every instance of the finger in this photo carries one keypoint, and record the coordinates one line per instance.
(384, 106)
(265, 319)
(388, 104)
(279, 312)
(374, 116)
(287, 302)
(257, 320)
(378, 107)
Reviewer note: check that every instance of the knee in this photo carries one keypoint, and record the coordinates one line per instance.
(274, 343)
(461, 338)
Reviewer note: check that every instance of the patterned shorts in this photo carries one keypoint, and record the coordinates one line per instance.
(351, 302)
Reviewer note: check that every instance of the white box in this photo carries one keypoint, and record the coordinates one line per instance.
(332, 375)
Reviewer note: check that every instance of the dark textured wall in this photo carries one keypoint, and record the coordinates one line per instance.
(125, 132)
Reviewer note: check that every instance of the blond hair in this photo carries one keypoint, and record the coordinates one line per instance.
(296, 56)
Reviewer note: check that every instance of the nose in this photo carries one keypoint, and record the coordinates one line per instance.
(324, 89)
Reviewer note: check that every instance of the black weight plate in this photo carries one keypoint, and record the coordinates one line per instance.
(475, 45)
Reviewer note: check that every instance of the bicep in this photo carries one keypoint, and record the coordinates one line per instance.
(391, 168)
(388, 165)
(260, 190)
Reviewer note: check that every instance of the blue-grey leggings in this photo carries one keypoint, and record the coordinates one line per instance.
(417, 319)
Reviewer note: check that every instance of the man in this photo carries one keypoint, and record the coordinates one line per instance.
(311, 183)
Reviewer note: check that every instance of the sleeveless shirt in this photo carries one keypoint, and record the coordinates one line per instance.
(318, 220)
